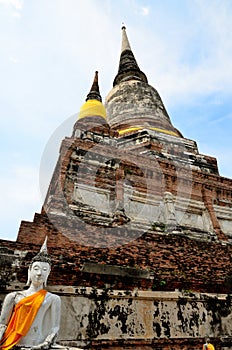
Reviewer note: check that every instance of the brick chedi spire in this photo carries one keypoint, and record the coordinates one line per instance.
(92, 115)
(128, 67)
(94, 93)
(133, 104)
(93, 105)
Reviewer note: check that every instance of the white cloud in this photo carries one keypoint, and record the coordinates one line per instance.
(18, 185)
(15, 7)
(193, 58)
(145, 11)
(224, 118)
(16, 14)
(14, 59)
(20, 197)
(17, 4)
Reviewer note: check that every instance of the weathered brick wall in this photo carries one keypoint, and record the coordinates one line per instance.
(173, 261)
(97, 165)
(102, 318)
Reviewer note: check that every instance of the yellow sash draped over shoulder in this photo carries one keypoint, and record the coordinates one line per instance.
(21, 319)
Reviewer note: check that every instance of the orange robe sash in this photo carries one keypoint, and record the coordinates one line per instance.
(21, 319)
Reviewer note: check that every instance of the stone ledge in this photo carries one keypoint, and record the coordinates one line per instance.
(115, 270)
(138, 294)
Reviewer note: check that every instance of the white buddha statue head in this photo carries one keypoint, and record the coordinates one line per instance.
(40, 267)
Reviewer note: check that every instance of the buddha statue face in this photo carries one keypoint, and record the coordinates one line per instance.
(38, 273)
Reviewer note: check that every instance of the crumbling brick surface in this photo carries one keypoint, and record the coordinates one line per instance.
(173, 261)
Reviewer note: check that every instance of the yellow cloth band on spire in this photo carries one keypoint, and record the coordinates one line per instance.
(92, 108)
(136, 128)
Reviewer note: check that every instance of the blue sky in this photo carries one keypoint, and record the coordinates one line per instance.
(49, 50)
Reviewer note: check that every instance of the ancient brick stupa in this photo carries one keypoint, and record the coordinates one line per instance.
(133, 205)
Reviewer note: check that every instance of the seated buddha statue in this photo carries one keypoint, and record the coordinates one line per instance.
(30, 318)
